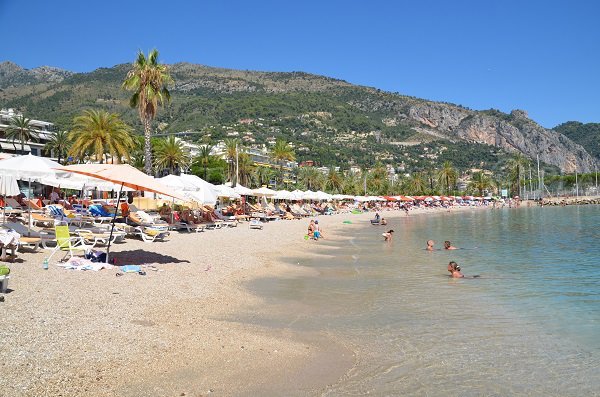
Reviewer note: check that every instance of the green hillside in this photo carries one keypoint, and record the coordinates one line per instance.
(327, 120)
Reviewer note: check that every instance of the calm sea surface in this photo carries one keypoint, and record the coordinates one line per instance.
(530, 325)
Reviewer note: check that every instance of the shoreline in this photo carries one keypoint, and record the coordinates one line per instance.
(185, 329)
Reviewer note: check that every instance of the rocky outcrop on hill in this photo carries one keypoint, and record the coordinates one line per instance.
(514, 132)
(12, 74)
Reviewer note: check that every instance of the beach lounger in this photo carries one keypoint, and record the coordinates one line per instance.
(41, 220)
(256, 224)
(149, 234)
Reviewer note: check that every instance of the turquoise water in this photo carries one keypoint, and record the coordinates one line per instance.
(530, 325)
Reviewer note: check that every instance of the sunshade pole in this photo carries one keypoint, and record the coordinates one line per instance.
(112, 224)
(29, 209)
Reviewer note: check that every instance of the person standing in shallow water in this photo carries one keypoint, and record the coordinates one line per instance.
(387, 236)
(454, 270)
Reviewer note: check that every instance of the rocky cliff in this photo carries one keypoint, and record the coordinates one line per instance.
(514, 133)
(12, 74)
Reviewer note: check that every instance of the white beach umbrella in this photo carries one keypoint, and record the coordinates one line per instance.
(242, 190)
(284, 195)
(226, 191)
(30, 168)
(264, 192)
(204, 193)
(310, 195)
(361, 199)
(323, 196)
(177, 183)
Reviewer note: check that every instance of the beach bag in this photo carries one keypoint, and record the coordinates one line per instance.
(96, 256)
(4, 270)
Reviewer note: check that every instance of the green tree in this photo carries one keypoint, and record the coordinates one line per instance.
(516, 167)
(263, 175)
(447, 176)
(232, 148)
(20, 129)
(98, 133)
(204, 158)
(416, 183)
(171, 155)
(282, 151)
(480, 182)
(334, 182)
(148, 80)
(245, 169)
(60, 144)
(311, 178)
(378, 180)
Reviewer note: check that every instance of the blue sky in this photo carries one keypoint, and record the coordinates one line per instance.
(541, 56)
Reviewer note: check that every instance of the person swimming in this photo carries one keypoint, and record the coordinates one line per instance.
(387, 236)
(383, 222)
(430, 245)
(448, 245)
(454, 270)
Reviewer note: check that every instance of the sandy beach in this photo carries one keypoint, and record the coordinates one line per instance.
(170, 332)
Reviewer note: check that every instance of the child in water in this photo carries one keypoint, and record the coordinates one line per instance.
(430, 245)
(448, 245)
(387, 236)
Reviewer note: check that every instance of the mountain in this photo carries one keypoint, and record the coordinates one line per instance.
(12, 74)
(587, 135)
(327, 120)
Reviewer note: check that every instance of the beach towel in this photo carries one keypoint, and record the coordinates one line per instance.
(131, 269)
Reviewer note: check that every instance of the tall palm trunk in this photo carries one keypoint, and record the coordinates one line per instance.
(22, 146)
(147, 147)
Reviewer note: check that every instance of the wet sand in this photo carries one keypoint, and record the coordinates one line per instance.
(172, 332)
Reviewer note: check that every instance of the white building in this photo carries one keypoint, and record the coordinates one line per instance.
(43, 129)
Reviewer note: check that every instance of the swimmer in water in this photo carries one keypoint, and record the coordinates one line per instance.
(387, 236)
(454, 270)
(383, 222)
(430, 245)
(448, 245)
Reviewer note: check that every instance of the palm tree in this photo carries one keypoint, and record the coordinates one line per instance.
(378, 180)
(480, 182)
(245, 168)
(352, 183)
(148, 80)
(516, 168)
(447, 176)
(334, 182)
(263, 175)
(20, 129)
(282, 151)
(204, 158)
(171, 155)
(98, 133)
(137, 153)
(311, 178)
(232, 148)
(59, 143)
(416, 183)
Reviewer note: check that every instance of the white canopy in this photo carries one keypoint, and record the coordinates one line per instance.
(264, 192)
(284, 195)
(204, 192)
(323, 196)
(310, 195)
(176, 183)
(342, 197)
(29, 167)
(242, 190)
(226, 191)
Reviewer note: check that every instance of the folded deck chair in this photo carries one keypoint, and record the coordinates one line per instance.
(68, 244)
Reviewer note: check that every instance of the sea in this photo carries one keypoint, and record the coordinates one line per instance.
(528, 325)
